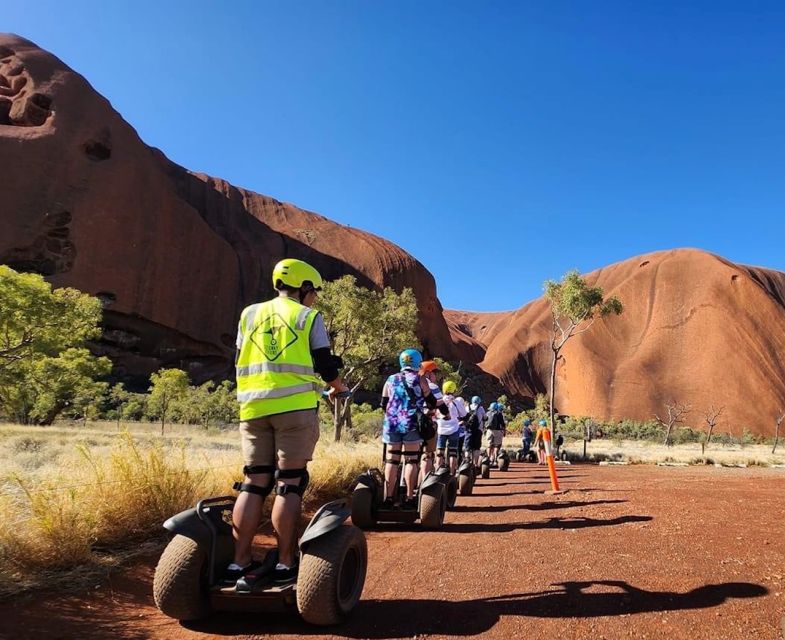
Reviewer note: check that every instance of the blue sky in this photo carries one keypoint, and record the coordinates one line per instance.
(501, 143)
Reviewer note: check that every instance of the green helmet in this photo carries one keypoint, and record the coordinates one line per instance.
(294, 273)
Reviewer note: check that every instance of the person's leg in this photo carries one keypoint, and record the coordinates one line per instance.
(427, 460)
(452, 444)
(259, 455)
(296, 435)
(287, 509)
(391, 464)
(411, 452)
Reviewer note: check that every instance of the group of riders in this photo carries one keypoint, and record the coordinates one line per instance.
(432, 427)
(284, 359)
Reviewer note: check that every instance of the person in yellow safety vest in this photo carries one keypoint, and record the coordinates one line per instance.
(281, 345)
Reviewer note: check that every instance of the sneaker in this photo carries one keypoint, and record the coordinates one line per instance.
(234, 572)
(283, 574)
(388, 503)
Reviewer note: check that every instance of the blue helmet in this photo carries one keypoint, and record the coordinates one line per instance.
(410, 359)
(494, 406)
(526, 422)
(476, 400)
(543, 422)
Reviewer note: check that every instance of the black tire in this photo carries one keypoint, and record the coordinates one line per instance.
(485, 470)
(465, 484)
(180, 582)
(362, 507)
(432, 508)
(504, 464)
(520, 457)
(332, 575)
(563, 456)
(451, 489)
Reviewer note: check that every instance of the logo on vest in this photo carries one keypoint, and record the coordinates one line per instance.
(273, 335)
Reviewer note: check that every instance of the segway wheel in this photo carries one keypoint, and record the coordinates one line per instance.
(485, 470)
(465, 484)
(362, 507)
(451, 489)
(519, 456)
(432, 508)
(504, 464)
(180, 581)
(332, 575)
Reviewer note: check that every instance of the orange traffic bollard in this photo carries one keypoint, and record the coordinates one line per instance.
(549, 460)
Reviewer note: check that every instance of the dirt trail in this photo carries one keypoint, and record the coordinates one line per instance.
(626, 552)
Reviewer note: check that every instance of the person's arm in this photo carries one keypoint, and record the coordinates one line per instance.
(385, 396)
(325, 363)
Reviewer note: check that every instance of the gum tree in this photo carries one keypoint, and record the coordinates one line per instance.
(44, 365)
(367, 328)
(575, 306)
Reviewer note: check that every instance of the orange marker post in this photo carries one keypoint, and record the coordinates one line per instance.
(549, 460)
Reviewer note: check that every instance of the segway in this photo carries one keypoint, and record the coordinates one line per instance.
(450, 485)
(368, 507)
(526, 456)
(333, 564)
(503, 460)
(466, 476)
(485, 466)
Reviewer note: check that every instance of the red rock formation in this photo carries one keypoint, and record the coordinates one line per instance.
(175, 255)
(696, 328)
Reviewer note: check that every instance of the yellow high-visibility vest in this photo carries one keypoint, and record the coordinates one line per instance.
(275, 368)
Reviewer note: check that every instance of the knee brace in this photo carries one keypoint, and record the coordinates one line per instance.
(412, 457)
(256, 489)
(393, 460)
(297, 489)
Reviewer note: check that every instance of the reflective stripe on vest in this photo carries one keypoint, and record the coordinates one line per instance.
(275, 368)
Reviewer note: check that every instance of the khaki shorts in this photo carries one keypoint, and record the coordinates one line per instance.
(282, 436)
(494, 437)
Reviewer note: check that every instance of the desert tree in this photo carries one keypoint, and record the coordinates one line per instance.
(367, 329)
(575, 306)
(677, 412)
(167, 388)
(777, 424)
(711, 416)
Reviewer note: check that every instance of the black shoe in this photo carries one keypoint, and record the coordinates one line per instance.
(388, 504)
(409, 503)
(285, 576)
(231, 576)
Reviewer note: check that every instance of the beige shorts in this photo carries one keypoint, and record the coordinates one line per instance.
(494, 437)
(282, 436)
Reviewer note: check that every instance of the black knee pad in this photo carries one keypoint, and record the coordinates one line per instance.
(297, 489)
(412, 457)
(259, 468)
(255, 488)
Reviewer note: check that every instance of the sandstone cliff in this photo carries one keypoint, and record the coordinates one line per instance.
(696, 328)
(175, 255)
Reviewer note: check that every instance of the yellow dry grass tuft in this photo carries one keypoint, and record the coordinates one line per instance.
(69, 498)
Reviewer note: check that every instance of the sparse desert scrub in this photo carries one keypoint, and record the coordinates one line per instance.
(71, 496)
(648, 452)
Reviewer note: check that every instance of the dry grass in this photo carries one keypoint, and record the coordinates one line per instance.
(71, 495)
(644, 452)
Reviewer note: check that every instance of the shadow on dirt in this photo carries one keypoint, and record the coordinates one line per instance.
(551, 523)
(544, 506)
(384, 619)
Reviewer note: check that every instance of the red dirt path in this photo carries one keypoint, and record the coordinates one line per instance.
(637, 552)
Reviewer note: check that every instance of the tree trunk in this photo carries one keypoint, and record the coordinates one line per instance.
(708, 437)
(163, 421)
(337, 423)
(668, 435)
(776, 437)
(553, 391)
